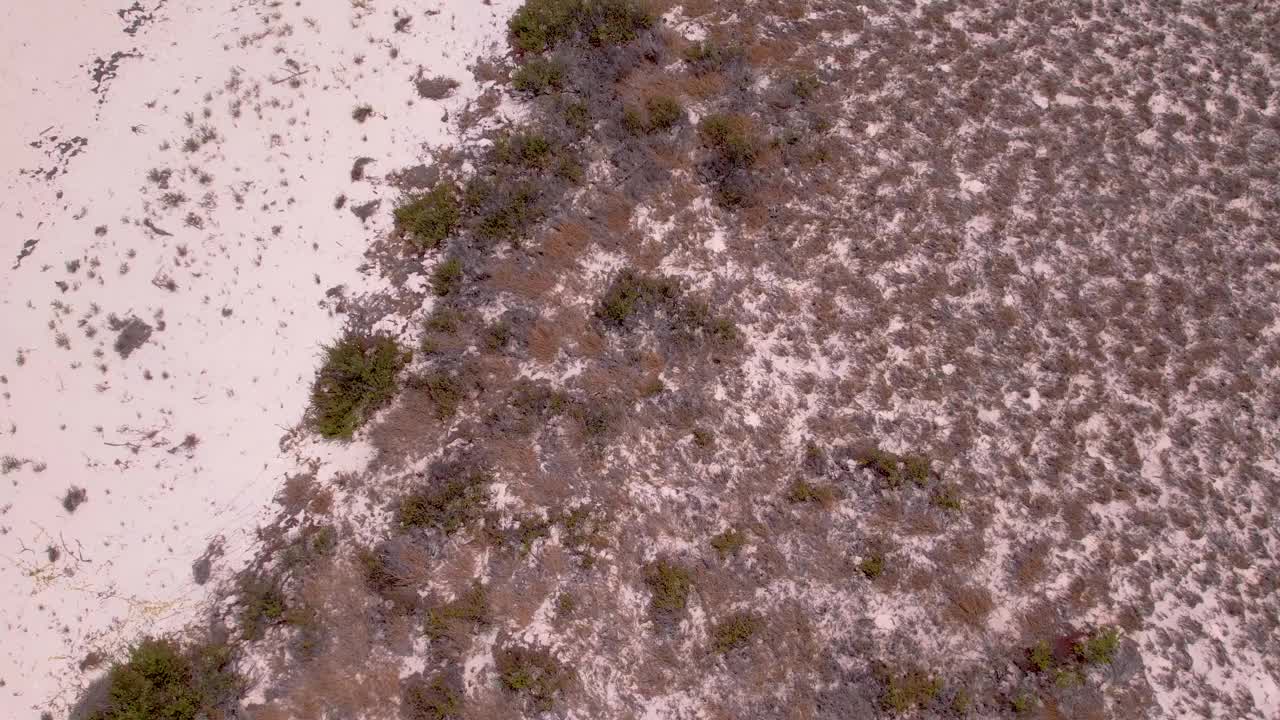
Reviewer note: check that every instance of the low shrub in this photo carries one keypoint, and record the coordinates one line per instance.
(438, 698)
(729, 542)
(533, 673)
(447, 277)
(872, 566)
(905, 690)
(431, 218)
(465, 613)
(262, 603)
(734, 631)
(669, 584)
(539, 76)
(631, 293)
(1099, 648)
(447, 505)
(664, 112)
(802, 491)
(358, 375)
(540, 25)
(160, 681)
(1041, 656)
(730, 135)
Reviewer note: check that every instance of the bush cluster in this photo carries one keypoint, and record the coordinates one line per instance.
(358, 375)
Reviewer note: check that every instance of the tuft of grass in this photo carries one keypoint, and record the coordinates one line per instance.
(431, 218)
(947, 498)
(729, 542)
(1099, 648)
(539, 76)
(670, 584)
(358, 375)
(916, 469)
(444, 320)
(447, 277)
(734, 631)
(161, 682)
(446, 506)
(533, 673)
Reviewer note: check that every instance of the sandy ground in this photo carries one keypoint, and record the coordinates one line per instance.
(163, 327)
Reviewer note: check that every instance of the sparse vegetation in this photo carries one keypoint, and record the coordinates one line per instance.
(905, 690)
(539, 76)
(447, 277)
(357, 377)
(435, 699)
(468, 611)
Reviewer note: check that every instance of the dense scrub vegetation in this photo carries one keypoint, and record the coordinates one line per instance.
(358, 376)
(161, 681)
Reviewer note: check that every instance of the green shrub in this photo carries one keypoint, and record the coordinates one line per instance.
(468, 611)
(435, 699)
(510, 218)
(539, 25)
(578, 116)
(1099, 648)
(664, 112)
(583, 533)
(630, 293)
(1041, 656)
(885, 464)
(802, 491)
(447, 277)
(729, 542)
(707, 57)
(806, 86)
(906, 690)
(446, 506)
(430, 219)
(444, 320)
(1023, 702)
(731, 136)
(358, 375)
(872, 566)
(262, 603)
(734, 631)
(161, 682)
(617, 22)
(539, 76)
(670, 585)
(533, 673)
(947, 498)
(916, 468)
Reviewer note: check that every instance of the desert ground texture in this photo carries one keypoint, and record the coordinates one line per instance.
(588, 359)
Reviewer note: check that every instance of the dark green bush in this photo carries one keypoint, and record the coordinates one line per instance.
(446, 506)
(447, 277)
(669, 584)
(510, 218)
(430, 219)
(161, 682)
(734, 631)
(885, 464)
(539, 76)
(1041, 656)
(533, 673)
(358, 376)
